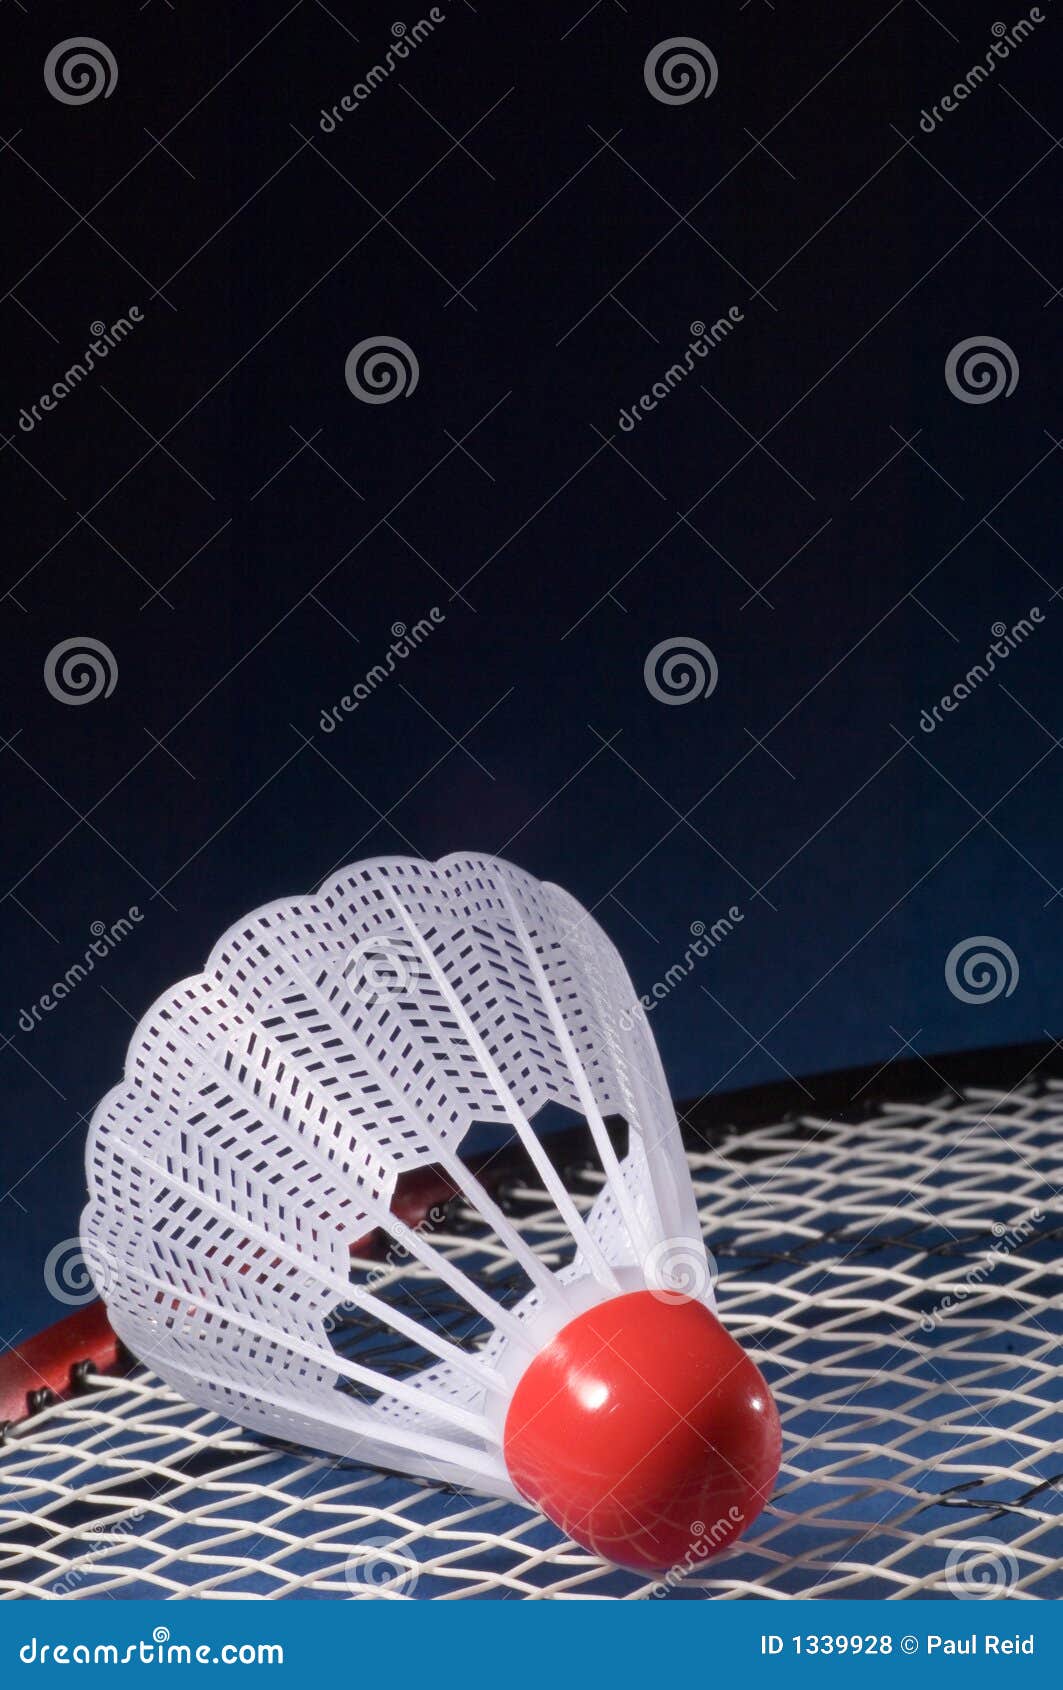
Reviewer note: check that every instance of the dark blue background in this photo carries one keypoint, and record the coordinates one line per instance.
(843, 580)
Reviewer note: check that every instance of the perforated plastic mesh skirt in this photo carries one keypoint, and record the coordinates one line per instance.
(897, 1281)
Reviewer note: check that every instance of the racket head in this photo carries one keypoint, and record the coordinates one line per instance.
(887, 1245)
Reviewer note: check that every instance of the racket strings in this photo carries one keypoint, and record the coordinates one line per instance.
(892, 1278)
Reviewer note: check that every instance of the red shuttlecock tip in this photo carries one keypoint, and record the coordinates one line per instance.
(645, 1432)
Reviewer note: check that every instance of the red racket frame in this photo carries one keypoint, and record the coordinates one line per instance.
(53, 1365)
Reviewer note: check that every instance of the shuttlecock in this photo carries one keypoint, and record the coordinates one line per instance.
(270, 1105)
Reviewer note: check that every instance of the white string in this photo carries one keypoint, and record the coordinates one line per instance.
(879, 1454)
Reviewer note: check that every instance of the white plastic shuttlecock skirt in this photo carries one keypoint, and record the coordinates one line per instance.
(270, 1104)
